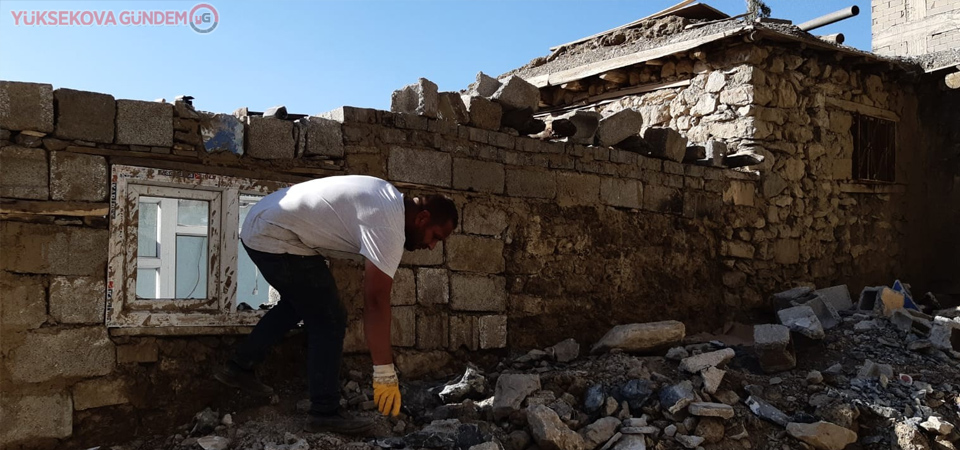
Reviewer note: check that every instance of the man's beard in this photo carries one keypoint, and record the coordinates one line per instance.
(412, 240)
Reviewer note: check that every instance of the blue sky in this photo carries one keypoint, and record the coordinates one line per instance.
(314, 56)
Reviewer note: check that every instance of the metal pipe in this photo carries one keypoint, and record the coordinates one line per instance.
(827, 19)
(836, 38)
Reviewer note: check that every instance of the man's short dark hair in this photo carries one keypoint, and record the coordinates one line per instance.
(442, 209)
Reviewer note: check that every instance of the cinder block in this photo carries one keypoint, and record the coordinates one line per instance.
(77, 299)
(433, 286)
(774, 347)
(270, 138)
(484, 114)
(321, 137)
(25, 173)
(432, 331)
(98, 393)
(404, 290)
(144, 123)
(24, 301)
(478, 176)
(492, 332)
(419, 166)
(26, 106)
(420, 98)
(531, 183)
(836, 296)
(53, 249)
(78, 177)
(144, 351)
(464, 332)
(621, 193)
(36, 417)
(88, 116)
(475, 254)
(477, 293)
(45, 357)
(403, 326)
(483, 219)
(577, 189)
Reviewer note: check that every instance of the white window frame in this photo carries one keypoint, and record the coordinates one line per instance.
(219, 305)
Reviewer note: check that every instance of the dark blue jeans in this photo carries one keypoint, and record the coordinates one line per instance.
(308, 293)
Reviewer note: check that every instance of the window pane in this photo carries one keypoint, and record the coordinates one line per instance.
(147, 283)
(191, 267)
(147, 229)
(192, 212)
(252, 289)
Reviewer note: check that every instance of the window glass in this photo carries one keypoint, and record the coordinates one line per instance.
(191, 267)
(147, 231)
(252, 289)
(192, 212)
(147, 283)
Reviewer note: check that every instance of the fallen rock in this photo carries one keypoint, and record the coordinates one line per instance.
(564, 351)
(767, 411)
(586, 123)
(937, 425)
(689, 441)
(711, 429)
(636, 392)
(822, 435)
(516, 93)
(486, 85)
(511, 390)
(599, 432)
(666, 143)
(452, 108)
(549, 431)
(472, 384)
(421, 98)
(909, 437)
(802, 319)
(631, 442)
(872, 370)
(694, 364)
(706, 409)
(677, 397)
(774, 347)
(618, 126)
(641, 337)
(712, 377)
(213, 443)
(483, 113)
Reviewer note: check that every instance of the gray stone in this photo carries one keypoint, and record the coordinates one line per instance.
(270, 138)
(945, 334)
(937, 425)
(481, 218)
(909, 437)
(711, 429)
(453, 109)
(45, 357)
(88, 116)
(640, 430)
(802, 319)
(486, 85)
(511, 390)
(837, 297)
(99, 392)
(707, 409)
(25, 173)
(694, 153)
(618, 126)
(549, 431)
(144, 123)
(26, 106)
(516, 93)
(564, 351)
(676, 397)
(492, 331)
(53, 249)
(433, 286)
(478, 176)
(222, 133)
(477, 293)
(320, 137)
(767, 411)
(909, 320)
(712, 377)
(24, 301)
(484, 113)
(822, 435)
(29, 417)
(677, 353)
(814, 377)
(630, 442)
(586, 123)
(531, 183)
(713, 153)
(420, 166)
(666, 143)
(828, 316)
(871, 370)
(696, 363)
(522, 121)
(687, 441)
(78, 177)
(641, 337)
(472, 384)
(715, 82)
(421, 98)
(76, 300)
(599, 432)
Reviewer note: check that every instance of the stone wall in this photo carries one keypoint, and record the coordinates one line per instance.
(914, 28)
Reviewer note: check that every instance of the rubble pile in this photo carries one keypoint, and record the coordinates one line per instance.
(830, 375)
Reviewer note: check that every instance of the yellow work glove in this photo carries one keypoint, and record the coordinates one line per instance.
(386, 389)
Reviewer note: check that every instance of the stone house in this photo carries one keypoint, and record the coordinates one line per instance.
(835, 165)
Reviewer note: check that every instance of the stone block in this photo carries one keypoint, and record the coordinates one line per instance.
(586, 124)
(483, 219)
(46, 356)
(531, 183)
(403, 326)
(696, 363)
(78, 177)
(26, 106)
(421, 98)
(478, 176)
(485, 85)
(484, 114)
(98, 393)
(475, 254)
(828, 316)
(464, 332)
(621, 193)
(433, 286)
(836, 296)
(52, 249)
(24, 301)
(25, 173)
(425, 257)
(87, 116)
(144, 351)
(404, 290)
(221, 133)
(477, 293)
(802, 319)
(144, 123)
(511, 390)
(665, 143)
(453, 109)
(707, 409)
(516, 93)
(270, 138)
(35, 417)
(320, 137)
(641, 337)
(492, 332)
(432, 331)
(419, 166)
(662, 199)
(740, 193)
(618, 126)
(577, 189)
(822, 435)
(77, 299)
(786, 251)
(774, 348)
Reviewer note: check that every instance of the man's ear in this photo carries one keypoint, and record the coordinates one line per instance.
(423, 218)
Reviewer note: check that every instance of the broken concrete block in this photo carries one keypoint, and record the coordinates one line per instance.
(586, 123)
(564, 351)
(829, 317)
(836, 296)
(945, 334)
(707, 409)
(618, 126)
(677, 397)
(767, 411)
(420, 98)
(484, 113)
(319, 136)
(599, 432)
(822, 435)
(452, 108)
(516, 93)
(550, 432)
(792, 297)
(221, 133)
(485, 86)
(511, 390)
(909, 320)
(712, 377)
(696, 363)
(26, 106)
(774, 347)
(471, 384)
(641, 337)
(803, 320)
(880, 299)
(665, 143)
(88, 116)
(690, 442)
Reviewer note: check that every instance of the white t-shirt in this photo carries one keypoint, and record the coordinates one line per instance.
(351, 213)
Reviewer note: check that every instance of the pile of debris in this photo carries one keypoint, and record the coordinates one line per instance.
(828, 376)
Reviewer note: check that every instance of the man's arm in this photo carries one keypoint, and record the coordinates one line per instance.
(376, 313)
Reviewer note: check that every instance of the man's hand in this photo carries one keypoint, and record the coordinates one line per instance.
(386, 389)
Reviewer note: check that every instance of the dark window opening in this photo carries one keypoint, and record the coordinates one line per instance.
(874, 148)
